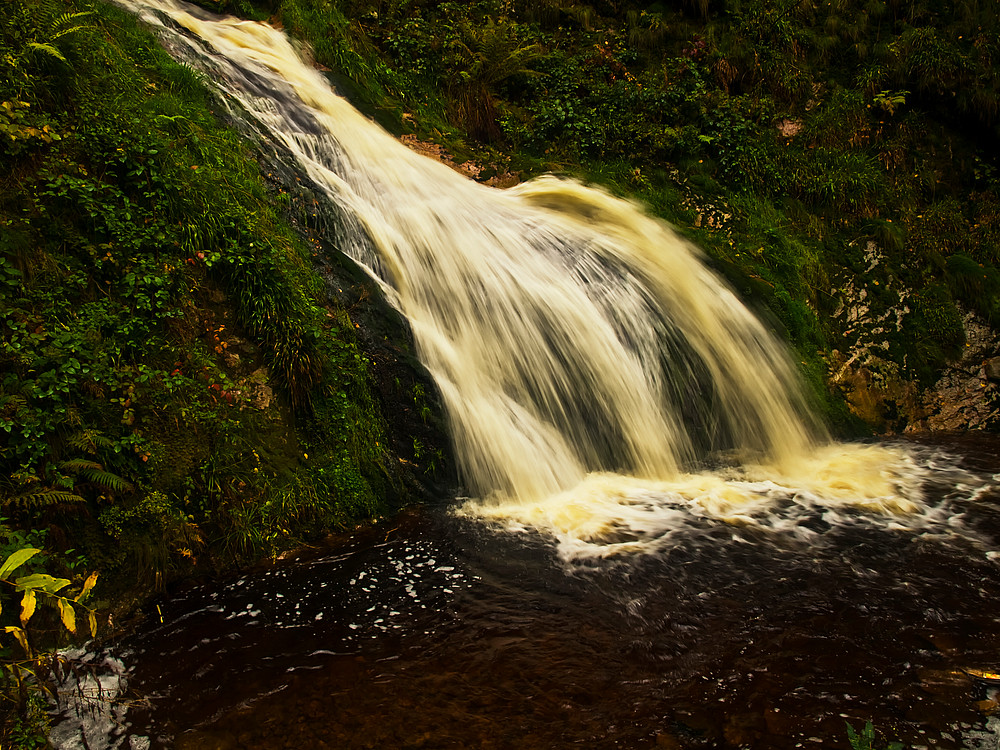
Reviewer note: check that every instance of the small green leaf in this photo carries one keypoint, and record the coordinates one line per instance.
(16, 560)
(42, 582)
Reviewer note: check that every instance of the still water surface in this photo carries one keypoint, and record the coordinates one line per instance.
(442, 631)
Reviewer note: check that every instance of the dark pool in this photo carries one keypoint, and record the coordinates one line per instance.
(432, 631)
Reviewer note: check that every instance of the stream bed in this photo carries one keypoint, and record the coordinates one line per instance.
(437, 631)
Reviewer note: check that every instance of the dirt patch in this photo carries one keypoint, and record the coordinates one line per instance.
(487, 175)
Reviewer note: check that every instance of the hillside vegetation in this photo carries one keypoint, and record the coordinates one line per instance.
(178, 390)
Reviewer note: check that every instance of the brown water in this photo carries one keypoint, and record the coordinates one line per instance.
(440, 631)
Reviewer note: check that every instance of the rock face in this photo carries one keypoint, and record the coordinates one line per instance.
(491, 175)
(871, 316)
(966, 396)
(406, 395)
(879, 391)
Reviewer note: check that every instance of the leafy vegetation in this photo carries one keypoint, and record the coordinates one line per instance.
(868, 739)
(176, 387)
(27, 673)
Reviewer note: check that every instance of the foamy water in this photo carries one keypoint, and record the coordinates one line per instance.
(835, 485)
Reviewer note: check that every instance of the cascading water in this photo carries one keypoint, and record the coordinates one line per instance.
(588, 359)
(607, 390)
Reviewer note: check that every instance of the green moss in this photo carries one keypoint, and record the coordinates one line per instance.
(936, 330)
(138, 239)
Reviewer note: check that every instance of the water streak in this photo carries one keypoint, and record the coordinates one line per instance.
(587, 356)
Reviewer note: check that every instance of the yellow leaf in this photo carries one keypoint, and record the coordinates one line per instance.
(21, 636)
(93, 625)
(88, 586)
(67, 615)
(27, 606)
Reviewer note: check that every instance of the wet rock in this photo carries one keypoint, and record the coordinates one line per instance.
(991, 369)
(790, 127)
(965, 396)
(196, 740)
(944, 682)
(944, 643)
(874, 390)
(262, 396)
(988, 707)
(881, 390)
(404, 391)
(743, 729)
(492, 175)
(779, 723)
(259, 393)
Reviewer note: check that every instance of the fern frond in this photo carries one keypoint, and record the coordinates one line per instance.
(67, 32)
(106, 480)
(15, 402)
(43, 498)
(67, 18)
(78, 464)
(89, 441)
(48, 49)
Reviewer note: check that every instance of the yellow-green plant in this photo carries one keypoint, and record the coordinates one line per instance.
(26, 675)
(867, 739)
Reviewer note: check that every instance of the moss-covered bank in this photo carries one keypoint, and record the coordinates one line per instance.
(182, 388)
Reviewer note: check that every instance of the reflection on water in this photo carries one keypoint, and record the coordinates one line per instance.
(442, 631)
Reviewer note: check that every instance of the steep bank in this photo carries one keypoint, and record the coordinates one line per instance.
(191, 378)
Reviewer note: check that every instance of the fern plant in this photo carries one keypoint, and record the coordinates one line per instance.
(53, 30)
(29, 492)
(485, 56)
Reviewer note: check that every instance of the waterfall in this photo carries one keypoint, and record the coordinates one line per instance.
(578, 342)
